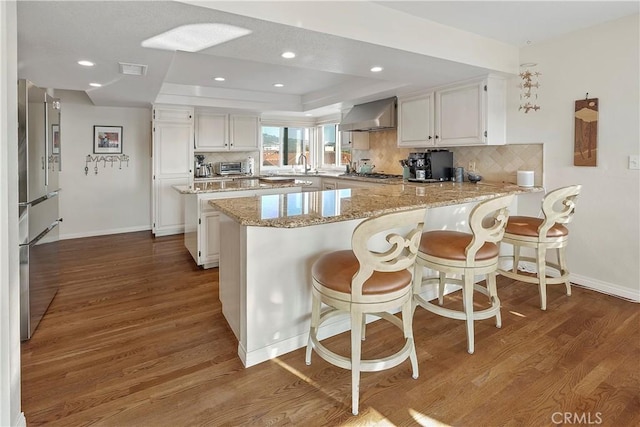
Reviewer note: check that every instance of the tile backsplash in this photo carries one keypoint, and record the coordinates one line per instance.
(496, 163)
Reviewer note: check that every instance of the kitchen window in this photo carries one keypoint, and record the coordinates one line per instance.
(283, 146)
(333, 152)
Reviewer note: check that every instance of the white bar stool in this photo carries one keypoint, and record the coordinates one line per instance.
(362, 281)
(467, 254)
(558, 207)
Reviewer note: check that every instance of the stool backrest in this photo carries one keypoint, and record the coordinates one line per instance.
(558, 207)
(403, 229)
(487, 221)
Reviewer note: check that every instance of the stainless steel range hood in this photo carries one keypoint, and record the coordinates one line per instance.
(370, 117)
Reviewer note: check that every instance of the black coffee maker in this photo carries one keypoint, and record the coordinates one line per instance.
(436, 164)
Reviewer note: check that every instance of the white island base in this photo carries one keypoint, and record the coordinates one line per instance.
(265, 281)
(265, 284)
(268, 245)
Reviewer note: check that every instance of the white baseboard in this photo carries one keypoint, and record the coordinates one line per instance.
(104, 232)
(169, 231)
(589, 283)
(606, 288)
(21, 421)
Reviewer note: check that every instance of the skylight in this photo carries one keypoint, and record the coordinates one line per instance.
(195, 37)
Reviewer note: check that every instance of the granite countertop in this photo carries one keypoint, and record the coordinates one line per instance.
(200, 187)
(320, 207)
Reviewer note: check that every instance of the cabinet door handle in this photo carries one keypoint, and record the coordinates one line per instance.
(437, 137)
(430, 137)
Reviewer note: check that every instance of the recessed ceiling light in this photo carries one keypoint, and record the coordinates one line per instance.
(85, 63)
(219, 79)
(278, 85)
(195, 37)
(376, 69)
(308, 114)
(288, 55)
(95, 84)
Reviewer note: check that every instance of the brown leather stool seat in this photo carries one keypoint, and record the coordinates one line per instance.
(452, 245)
(528, 226)
(335, 271)
(468, 255)
(541, 234)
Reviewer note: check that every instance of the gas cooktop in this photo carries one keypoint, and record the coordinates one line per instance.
(373, 175)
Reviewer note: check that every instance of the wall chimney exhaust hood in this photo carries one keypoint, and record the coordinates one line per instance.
(370, 117)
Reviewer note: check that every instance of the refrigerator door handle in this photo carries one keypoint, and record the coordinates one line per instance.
(46, 144)
(40, 199)
(44, 232)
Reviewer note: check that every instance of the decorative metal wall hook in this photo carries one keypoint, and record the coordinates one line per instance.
(109, 158)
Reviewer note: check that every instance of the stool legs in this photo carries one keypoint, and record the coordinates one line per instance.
(516, 258)
(467, 301)
(541, 261)
(564, 271)
(316, 305)
(407, 326)
(493, 296)
(356, 352)
(441, 286)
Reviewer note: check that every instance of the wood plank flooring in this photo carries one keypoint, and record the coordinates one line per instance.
(136, 337)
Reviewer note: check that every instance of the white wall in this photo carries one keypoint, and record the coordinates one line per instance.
(604, 248)
(113, 200)
(10, 408)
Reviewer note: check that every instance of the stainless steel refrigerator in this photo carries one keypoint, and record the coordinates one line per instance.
(38, 166)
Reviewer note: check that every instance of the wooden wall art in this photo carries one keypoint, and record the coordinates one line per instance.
(585, 151)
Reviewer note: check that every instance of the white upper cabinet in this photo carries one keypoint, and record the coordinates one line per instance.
(460, 115)
(244, 135)
(472, 113)
(355, 140)
(415, 121)
(226, 132)
(172, 114)
(212, 131)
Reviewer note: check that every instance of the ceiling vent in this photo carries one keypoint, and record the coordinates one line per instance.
(132, 69)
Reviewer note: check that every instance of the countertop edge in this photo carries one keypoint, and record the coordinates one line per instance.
(500, 190)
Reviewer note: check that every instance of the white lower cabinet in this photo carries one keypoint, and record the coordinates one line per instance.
(210, 241)
(202, 222)
(316, 183)
(329, 184)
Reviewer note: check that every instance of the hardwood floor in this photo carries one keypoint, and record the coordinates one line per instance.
(136, 337)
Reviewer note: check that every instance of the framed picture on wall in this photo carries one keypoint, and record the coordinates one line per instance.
(107, 139)
(55, 130)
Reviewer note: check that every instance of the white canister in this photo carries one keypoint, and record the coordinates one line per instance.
(249, 166)
(525, 178)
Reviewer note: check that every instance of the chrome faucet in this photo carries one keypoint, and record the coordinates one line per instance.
(307, 168)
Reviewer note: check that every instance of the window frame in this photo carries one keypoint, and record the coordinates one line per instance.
(338, 147)
(311, 161)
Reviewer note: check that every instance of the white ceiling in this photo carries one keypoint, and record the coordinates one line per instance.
(330, 71)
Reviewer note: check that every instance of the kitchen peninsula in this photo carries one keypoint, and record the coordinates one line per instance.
(271, 242)
(201, 234)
